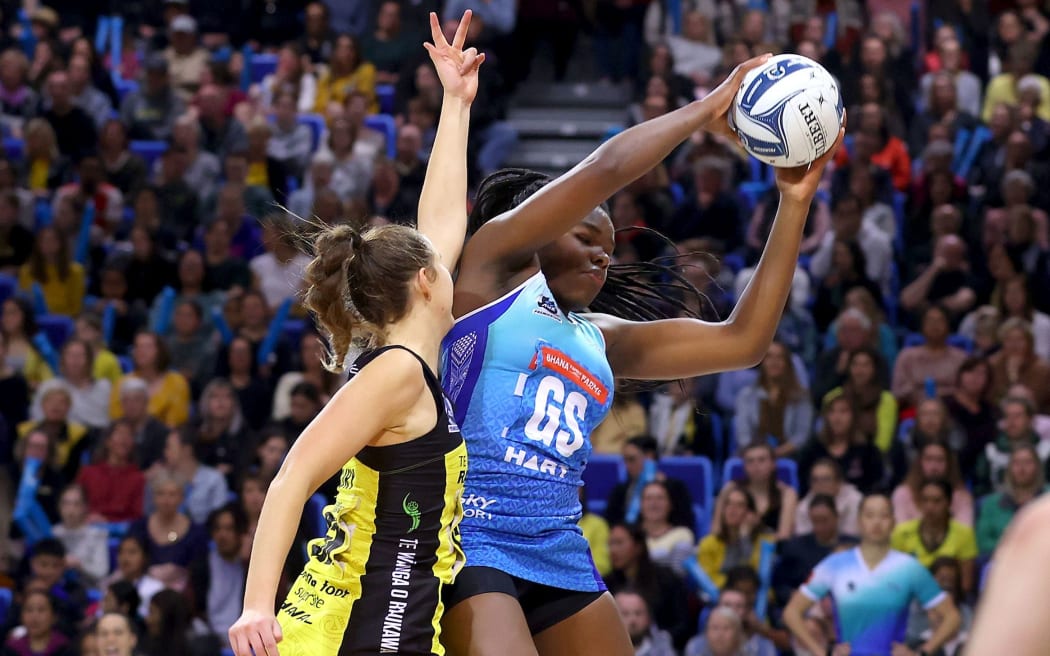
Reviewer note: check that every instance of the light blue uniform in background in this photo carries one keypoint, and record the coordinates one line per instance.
(529, 383)
(871, 605)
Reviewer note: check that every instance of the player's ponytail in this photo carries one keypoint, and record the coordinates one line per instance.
(358, 283)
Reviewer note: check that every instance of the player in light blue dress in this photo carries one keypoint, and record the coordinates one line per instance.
(544, 327)
(871, 588)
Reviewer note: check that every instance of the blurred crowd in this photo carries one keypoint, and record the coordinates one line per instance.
(155, 366)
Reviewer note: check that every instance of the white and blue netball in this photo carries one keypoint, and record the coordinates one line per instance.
(788, 112)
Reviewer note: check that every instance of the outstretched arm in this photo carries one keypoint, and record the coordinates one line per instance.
(375, 401)
(683, 348)
(510, 240)
(442, 214)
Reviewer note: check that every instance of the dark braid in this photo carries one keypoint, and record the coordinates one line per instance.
(641, 291)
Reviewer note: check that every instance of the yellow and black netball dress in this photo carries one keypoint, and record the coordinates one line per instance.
(372, 584)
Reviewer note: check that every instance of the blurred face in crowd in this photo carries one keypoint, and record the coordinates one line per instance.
(344, 55)
(870, 91)
(846, 219)
(951, 55)
(734, 600)
(252, 497)
(635, 615)
(56, 406)
(934, 461)
(12, 320)
(135, 405)
(660, 60)
(873, 54)
(225, 536)
(945, 220)
(191, 269)
(58, 87)
(975, 381)
(272, 452)
(316, 19)
(1016, 343)
(943, 97)
(935, 326)
(115, 637)
(1023, 470)
(930, 419)
(759, 465)
(656, 504)
(735, 510)
(37, 446)
(121, 443)
(722, 634)
(389, 18)
(303, 409)
(1015, 297)
(47, 569)
(696, 27)
(623, 552)
(89, 645)
(753, 27)
(131, 560)
(144, 352)
(50, 243)
(253, 311)
(633, 460)
(876, 520)
(75, 362)
(168, 496)
(72, 507)
(933, 504)
(839, 417)
(186, 320)
(825, 524)
(285, 110)
(79, 72)
(409, 143)
(861, 369)
(221, 403)
(851, 333)
(211, 102)
(37, 615)
(1017, 423)
(842, 260)
(776, 362)
(823, 480)
(654, 106)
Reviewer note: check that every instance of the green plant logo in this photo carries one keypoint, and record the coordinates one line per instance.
(411, 509)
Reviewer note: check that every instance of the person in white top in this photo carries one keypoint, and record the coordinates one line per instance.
(695, 53)
(278, 272)
(825, 477)
(87, 546)
(90, 397)
(668, 545)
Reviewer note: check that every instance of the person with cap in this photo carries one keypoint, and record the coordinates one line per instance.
(187, 60)
(150, 111)
(43, 23)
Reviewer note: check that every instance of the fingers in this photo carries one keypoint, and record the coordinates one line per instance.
(751, 64)
(461, 31)
(821, 161)
(435, 30)
(268, 646)
(471, 61)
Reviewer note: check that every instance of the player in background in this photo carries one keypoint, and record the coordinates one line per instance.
(871, 587)
(534, 374)
(1012, 615)
(373, 583)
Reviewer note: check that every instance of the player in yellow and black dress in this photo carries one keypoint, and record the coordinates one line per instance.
(373, 583)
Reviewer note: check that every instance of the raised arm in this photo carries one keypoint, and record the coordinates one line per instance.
(683, 348)
(442, 214)
(375, 401)
(514, 237)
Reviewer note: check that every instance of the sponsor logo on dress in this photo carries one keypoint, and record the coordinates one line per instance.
(411, 509)
(547, 308)
(555, 360)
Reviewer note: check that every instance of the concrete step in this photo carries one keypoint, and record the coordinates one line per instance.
(551, 155)
(569, 94)
(565, 122)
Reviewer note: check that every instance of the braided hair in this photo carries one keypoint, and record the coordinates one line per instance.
(639, 291)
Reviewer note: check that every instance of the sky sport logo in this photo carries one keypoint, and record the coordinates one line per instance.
(411, 509)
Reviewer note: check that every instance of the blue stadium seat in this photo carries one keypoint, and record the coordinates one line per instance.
(603, 473)
(124, 87)
(955, 339)
(787, 471)
(6, 600)
(314, 515)
(149, 151)
(14, 148)
(293, 330)
(385, 94)
(317, 127)
(905, 427)
(58, 328)
(126, 364)
(697, 474)
(384, 123)
(262, 65)
(8, 287)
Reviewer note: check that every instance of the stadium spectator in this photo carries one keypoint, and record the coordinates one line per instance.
(820, 535)
(42, 637)
(1017, 362)
(774, 500)
(640, 456)
(217, 579)
(114, 485)
(936, 534)
(776, 406)
(75, 131)
(632, 569)
(116, 635)
(347, 69)
(202, 488)
(838, 439)
(18, 324)
(69, 438)
(150, 433)
(626, 419)
(874, 408)
(172, 539)
(132, 567)
(825, 479)
(648, 639)
(18, 100)
(668, 545)
(737, 538)
(87, 551)
(933, 360)
(1017, 429)
(310, 370)
(90, 396)
(169, 394)
(1023, 481)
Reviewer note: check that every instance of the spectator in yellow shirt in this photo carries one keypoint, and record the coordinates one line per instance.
(936, 534)
(1006, 87)
(347, 72)
(738, 539)
(169, 393)
(19, 326)
(61, 279)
